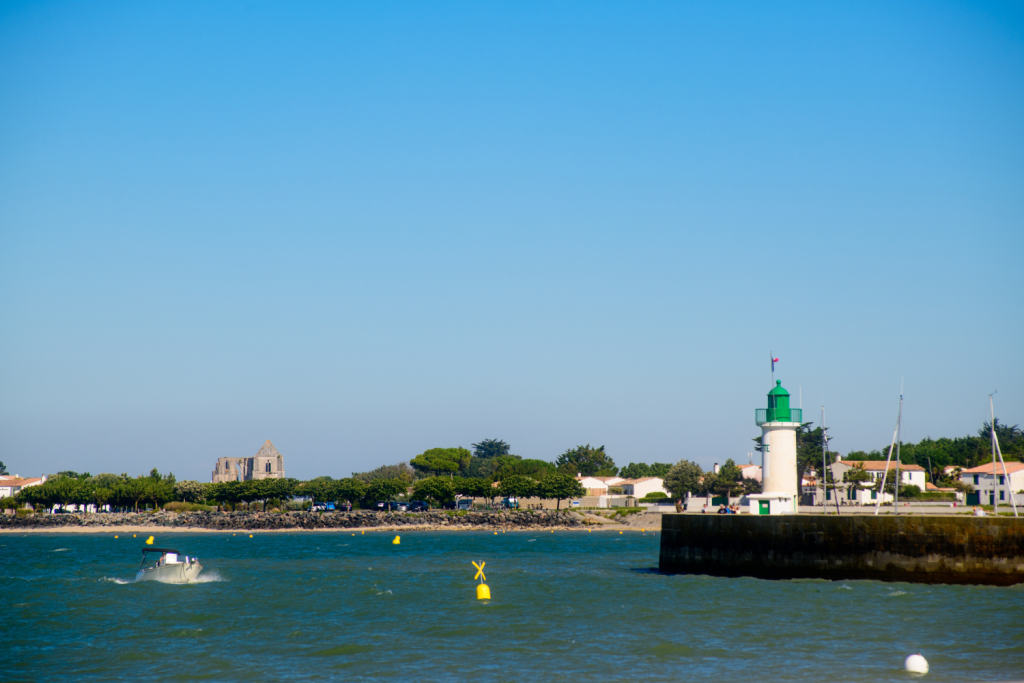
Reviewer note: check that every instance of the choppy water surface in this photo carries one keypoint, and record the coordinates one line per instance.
(566, 606)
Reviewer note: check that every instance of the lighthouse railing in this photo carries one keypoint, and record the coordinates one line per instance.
(763, 415)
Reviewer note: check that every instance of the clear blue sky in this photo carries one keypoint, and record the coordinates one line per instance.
(366, 229)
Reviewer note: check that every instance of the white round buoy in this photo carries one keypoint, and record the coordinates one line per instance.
(916, 664)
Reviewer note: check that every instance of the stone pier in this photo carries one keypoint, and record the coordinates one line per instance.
(964, 550)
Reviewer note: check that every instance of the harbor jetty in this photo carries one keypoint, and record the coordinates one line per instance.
(918, 549)
(295, 521)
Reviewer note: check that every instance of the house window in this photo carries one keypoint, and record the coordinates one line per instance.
(1002, 495)
(268, 466)
(975, 479)
(1002, 480)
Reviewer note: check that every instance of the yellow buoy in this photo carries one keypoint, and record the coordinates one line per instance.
(360, 533)
(483, 591)
(115, 536)
(620, 532)
(149, 541)
(495, 533)
(250, 535)
(133, 535)
(397, 541)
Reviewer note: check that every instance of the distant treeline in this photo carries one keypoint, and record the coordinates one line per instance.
(963, 452)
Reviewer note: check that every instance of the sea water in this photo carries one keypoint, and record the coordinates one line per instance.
(567, 606)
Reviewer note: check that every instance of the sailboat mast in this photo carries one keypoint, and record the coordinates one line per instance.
(824, 463)
(885, 472)
(899, 438)
(995, 444)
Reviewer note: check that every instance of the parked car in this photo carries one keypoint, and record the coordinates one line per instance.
(464, 504)
(419, 506)
(401, 507)
(450, 505)
(323, 507)
(345, 507)
(511, 503)
(388, 505)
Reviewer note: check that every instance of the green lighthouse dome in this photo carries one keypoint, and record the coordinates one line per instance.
(778, 404)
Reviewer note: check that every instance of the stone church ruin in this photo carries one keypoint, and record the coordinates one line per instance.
(266, 464)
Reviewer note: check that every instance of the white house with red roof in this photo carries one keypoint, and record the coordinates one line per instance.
(750, 471)
(11, 484)
(598, 486)
(638, 488)
(990, 486)
(909, 474)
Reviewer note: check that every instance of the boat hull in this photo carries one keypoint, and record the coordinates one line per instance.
(171, 573)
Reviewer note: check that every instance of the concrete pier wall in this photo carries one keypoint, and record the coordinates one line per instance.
(966, 550)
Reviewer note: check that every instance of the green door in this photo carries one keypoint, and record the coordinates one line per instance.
(765, 508)
(974, 498)
(721, 500)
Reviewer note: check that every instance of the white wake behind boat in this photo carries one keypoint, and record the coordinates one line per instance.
(170, 567)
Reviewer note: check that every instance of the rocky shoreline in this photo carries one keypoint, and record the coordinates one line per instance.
(297, 521)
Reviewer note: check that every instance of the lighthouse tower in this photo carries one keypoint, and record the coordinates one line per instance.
(778, 423)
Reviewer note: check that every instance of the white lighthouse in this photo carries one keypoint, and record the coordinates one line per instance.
(779, 485)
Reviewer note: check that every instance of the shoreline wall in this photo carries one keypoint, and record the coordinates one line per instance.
(918, 549)
(268, 521)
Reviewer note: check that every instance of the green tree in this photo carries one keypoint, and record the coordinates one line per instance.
(351, 490)
(590, 462)
(190, 491)
(487, 468)
(639, 470)
(64, 490)
(490, 448)
(684, 477)
(437, 461)
(3, 468)
(226, 493)
(130, 492)
(535, 469)
(473, 487)
(402, 471)
(385, 489)
(101, 496)
(318, 490)
(728, 479)
(159, 491)
(559, 487)
(440, 490)
(518, 486)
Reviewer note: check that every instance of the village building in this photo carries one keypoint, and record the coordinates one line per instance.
(639, 488)
(266, 464)
(751, 472)
(988, 488)
(11, 484)
(598, 486)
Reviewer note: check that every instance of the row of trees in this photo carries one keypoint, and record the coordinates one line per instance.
(688, 477)
(554, 486)
(121, 491)
(964, 452)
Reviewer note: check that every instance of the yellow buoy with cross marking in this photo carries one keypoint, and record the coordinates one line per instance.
(483, 591)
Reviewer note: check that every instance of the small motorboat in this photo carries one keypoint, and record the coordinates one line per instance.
(167, 565)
